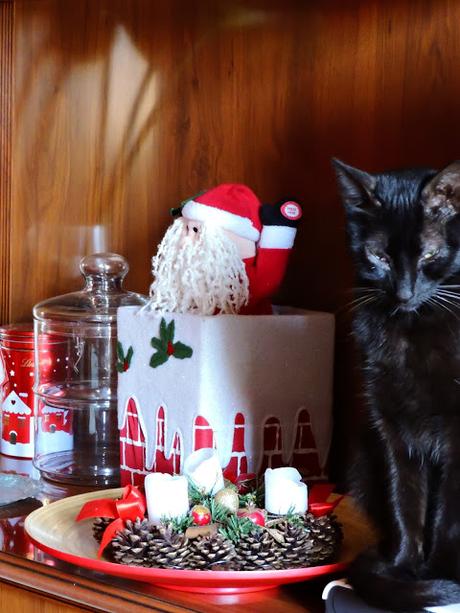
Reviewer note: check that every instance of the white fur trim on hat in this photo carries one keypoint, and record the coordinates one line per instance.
(241, 226)
(277, 237)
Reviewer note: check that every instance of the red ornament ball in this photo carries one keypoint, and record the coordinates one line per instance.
(257, 516)
(201, 515)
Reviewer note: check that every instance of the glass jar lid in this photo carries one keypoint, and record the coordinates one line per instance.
(99, 300)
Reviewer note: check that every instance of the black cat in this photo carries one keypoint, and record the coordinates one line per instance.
(404, 231)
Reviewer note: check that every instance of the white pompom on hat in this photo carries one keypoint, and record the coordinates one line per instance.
(231, 206)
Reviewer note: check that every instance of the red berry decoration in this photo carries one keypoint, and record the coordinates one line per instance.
(201, 515)
(257, 516)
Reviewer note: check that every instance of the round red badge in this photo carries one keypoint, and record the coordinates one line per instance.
(291, 210)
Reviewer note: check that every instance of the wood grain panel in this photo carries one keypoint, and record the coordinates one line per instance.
(15, 600)
(123, 108)
(6, 119)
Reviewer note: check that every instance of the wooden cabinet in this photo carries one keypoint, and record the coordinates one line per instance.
(113, 111)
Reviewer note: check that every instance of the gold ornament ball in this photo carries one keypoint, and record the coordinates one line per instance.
(228, 499)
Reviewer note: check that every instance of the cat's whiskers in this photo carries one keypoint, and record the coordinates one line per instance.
(445, 301)
(436, 298)
(443, 297)
(371, 293)
(453, 301)
(367, 289)
(366, 300)
(432, 303)
(454, 295)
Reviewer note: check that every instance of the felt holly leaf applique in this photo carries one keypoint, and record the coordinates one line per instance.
(123, 361)
(166, 347)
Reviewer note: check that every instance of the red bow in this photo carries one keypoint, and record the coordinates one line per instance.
(245, 482)
(317, 499)
(131, 506)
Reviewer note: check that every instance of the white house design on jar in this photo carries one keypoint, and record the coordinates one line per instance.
(17, 426)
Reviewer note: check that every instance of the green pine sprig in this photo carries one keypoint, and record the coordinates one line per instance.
(255, 498)
(177, 524)
(236, 527)
(197, 495)
(230, 525)
(294, 519)
(219, 514)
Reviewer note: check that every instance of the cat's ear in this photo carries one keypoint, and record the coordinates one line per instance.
(441, 196)
(356, 187)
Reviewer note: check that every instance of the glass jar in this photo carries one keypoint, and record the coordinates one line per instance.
(77, 437)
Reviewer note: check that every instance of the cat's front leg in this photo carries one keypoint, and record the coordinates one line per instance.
(405, 481)
(443, 544)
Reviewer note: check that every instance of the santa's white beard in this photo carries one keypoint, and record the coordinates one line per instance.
(204, 275)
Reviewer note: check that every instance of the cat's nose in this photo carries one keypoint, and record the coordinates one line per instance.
(405, 294)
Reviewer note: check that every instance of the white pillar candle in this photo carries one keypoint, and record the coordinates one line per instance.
(203, 468)
(166, 496)
(284, 491)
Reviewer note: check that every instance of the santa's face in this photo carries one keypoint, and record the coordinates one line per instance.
(198, 269)
(191, 230)
(246, 247)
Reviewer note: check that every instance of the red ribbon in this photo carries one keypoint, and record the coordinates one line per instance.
(243, 481)
(131, 506)
(317, 499)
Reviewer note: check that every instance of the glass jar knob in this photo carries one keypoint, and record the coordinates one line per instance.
(104, 271)
(104, 264)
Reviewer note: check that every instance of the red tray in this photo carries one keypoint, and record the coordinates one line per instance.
(54, 530)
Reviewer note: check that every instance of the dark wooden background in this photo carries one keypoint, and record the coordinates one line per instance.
(112, 111)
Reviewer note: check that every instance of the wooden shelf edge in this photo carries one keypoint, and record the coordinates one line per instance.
(77, 590)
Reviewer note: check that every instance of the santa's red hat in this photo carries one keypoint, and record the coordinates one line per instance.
(231, 206)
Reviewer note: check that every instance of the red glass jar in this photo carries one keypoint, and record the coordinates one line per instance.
(17, 398)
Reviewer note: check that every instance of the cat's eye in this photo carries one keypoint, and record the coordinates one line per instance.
(377, 256)
(429, 255)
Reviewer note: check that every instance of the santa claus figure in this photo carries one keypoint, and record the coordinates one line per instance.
(224, 253)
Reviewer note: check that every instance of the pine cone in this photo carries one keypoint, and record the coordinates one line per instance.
(309, 542)
(168, 549)
(326, 534)
(99, 526)
(132, 544)
(258, 551)
(296, 549)
(212, 552)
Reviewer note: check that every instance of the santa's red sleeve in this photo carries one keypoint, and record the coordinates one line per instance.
(266, 271)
